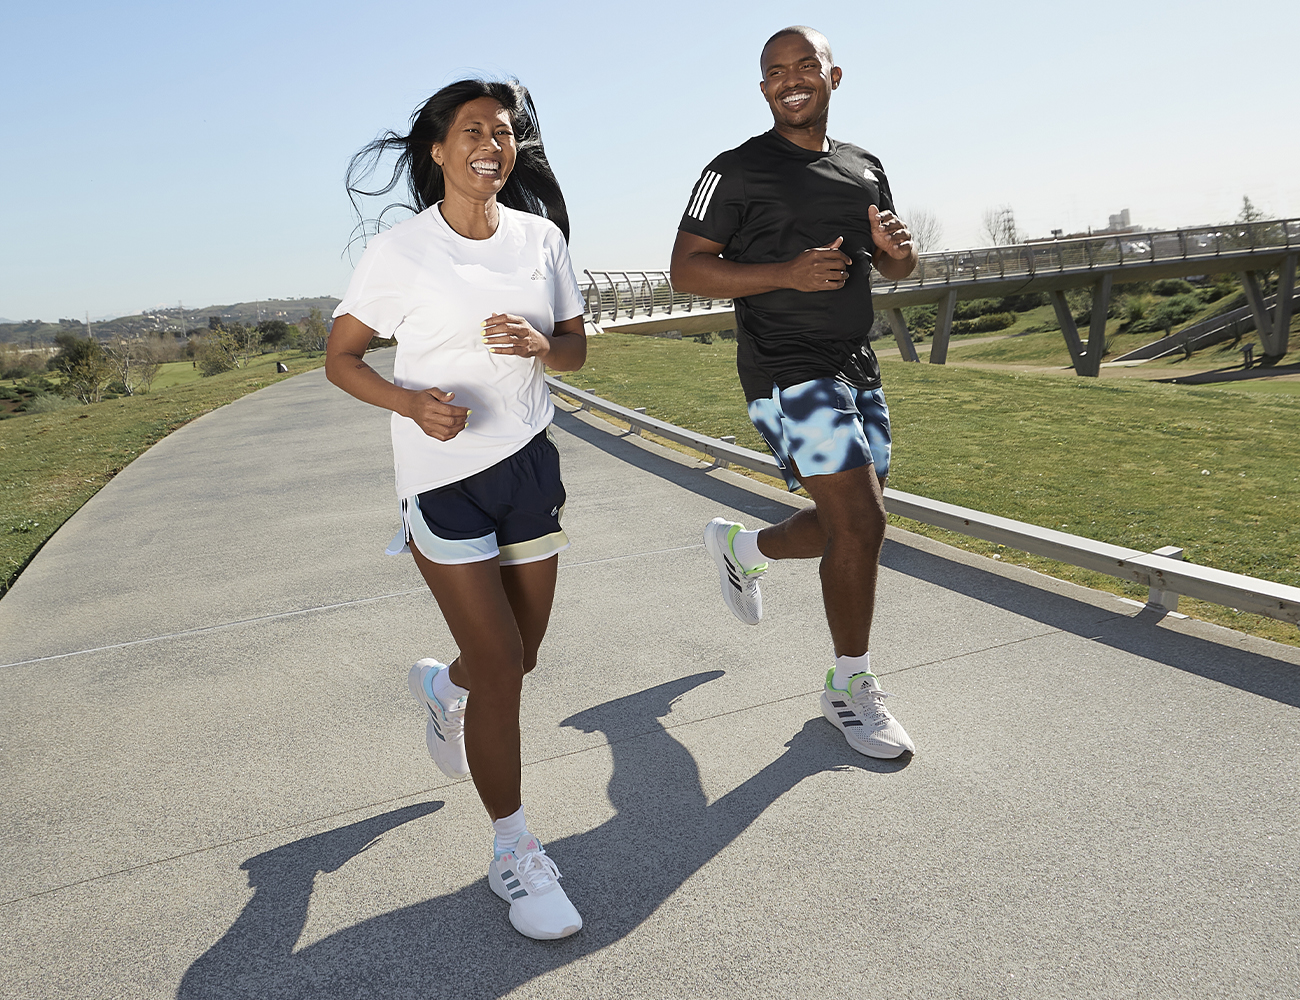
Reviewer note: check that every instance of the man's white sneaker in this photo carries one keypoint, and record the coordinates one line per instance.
(739, 585)
(862, 717)
(445, 731)
(528, 880)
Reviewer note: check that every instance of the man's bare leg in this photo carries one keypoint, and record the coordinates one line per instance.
(846, 529)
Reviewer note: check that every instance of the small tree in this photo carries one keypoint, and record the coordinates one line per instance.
(84, 367)
(216, 352)
(134, 364)
(1248, 213)
(275, 332)
(248, 341)
(926, 229)
(1000, 226)
(314, 332)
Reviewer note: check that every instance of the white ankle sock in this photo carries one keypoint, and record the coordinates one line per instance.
(508, 832)
(847, 666)
(745, 546)
(445, 691)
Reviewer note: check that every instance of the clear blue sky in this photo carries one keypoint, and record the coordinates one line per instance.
(156, 152)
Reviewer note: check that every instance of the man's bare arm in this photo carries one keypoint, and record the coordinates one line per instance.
(895, 256)
(697, 269)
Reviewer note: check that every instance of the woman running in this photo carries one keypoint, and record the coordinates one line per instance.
(478, 289)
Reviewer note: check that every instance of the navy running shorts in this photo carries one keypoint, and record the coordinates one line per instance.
(824, 426)
(511, 510)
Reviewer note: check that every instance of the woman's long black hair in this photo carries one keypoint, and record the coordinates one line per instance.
(531, 186)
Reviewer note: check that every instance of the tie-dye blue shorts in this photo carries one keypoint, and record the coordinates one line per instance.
(824, 426)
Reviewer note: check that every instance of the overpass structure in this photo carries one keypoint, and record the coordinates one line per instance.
(645, 301)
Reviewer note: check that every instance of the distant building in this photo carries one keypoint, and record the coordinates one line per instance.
(1116, 224)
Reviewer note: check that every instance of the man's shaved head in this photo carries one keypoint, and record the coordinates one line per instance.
(820, 43)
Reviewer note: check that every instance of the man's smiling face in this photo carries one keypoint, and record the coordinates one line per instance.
(797, 81)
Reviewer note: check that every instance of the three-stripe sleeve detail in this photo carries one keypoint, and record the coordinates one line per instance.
(703, 194)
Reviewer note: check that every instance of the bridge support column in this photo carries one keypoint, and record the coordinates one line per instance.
(1097, 329)
(904, 339)
(1068, 330)
(1275, 329)
(943, 328)
(1253, 287)
(1282, 311)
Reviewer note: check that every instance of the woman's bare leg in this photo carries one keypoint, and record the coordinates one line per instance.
(498, 616)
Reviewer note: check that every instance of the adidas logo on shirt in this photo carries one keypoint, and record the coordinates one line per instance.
(538, 276)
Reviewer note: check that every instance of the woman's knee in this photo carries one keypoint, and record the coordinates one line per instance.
(499, 663)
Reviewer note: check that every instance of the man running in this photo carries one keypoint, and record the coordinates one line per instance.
(788, 224)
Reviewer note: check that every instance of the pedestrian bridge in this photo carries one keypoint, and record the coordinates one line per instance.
(645, 301)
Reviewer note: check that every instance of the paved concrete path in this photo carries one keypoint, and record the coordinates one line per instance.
(215, 783)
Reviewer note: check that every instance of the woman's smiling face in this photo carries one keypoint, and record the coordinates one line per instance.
(479, 151)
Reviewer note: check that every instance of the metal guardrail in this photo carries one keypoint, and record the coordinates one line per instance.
(614, 295)
(1161, 571)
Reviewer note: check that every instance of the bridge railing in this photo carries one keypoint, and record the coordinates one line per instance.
(615, 295)
(1099, 251)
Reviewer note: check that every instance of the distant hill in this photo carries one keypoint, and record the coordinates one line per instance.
(35, 333)
(289, 310)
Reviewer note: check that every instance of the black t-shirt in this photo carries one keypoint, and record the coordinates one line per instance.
(767, 201)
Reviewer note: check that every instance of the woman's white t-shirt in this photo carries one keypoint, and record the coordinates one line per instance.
(431, 288)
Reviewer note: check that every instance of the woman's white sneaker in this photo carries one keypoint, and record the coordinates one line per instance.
(444, 732)
(864, 720)
(529, 881)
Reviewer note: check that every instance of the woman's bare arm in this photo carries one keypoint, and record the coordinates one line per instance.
(345, 366)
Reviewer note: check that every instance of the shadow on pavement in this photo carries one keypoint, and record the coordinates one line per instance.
(1239, 668)
(1261, 675)
(462, 944)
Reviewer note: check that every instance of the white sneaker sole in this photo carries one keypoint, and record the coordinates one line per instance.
(875, 748)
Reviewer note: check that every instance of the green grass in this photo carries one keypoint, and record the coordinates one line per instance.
(1128, 462)
(52, 463)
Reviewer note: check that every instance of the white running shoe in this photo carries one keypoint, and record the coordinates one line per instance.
(863, 718)
(528, 880)
(739, 585)
(445, 730)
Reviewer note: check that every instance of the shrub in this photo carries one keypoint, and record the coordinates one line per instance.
(920, 319)
(216, 352)
(1171, 286)
(975, 307)
(1023, 303)
(1079, 301)
(985, 323)
(1168, 314)
(45, 402)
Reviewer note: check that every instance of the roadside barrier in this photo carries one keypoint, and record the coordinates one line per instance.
(1162, 571)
